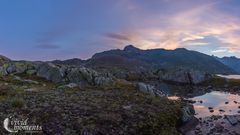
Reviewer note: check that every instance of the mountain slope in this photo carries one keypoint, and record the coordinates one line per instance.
(74, 61)
(126, 60)
(232, 62)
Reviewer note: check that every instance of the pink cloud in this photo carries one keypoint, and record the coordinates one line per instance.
(178, 29)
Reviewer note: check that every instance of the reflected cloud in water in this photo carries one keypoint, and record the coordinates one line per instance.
(227, 102)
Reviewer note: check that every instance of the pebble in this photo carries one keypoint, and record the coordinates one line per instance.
(221, 110)
(127, 107)
(210, 108)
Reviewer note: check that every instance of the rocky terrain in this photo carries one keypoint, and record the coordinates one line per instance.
(217, 125)
(78, 100)
(115, 92)
(64, 109)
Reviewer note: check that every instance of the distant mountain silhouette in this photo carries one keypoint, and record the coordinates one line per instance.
(232, 62)
(132, 58)
(74, 61)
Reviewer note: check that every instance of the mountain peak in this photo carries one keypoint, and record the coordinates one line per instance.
(181, 49)
(131, 48)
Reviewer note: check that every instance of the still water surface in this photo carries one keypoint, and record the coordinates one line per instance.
(229, 103)
(230, 76)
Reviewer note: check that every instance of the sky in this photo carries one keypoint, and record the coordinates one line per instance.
(63, 29)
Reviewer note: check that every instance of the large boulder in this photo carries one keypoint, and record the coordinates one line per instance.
(184, 76)
(146, 88)
(3, 60)
(103, 81)
(3, 71)
(74, 76)
(188, 121)
(15, 67)
(3, 65)
(88, 74)
(23, 66)
(82, 75)
(188, 113)
(50, 72)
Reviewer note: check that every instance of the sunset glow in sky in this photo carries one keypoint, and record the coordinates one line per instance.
(62, 29)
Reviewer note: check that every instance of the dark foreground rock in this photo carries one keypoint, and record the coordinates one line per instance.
(188, 120)
(188, 126)
(216, 125)
(232, 120)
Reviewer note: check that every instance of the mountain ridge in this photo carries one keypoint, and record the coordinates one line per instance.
(131, 58)
(232, 62)
(157, 59)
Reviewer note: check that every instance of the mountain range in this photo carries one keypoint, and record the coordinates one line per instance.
(232, 62)
(138, 60)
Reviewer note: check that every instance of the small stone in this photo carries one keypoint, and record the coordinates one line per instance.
(192, 101)
(72, 85)
(226, 102)
(210, 108)
(17, 78)
(127, 107)
(221, 111)
(31, 90)
(232, 120)
(31, 72)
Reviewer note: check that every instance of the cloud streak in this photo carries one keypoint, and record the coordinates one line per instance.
(48, 46)
(187, 27)
(117, 36)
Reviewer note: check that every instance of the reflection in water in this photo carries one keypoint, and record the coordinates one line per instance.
(230, 76)
(221, 102)
(173, 97)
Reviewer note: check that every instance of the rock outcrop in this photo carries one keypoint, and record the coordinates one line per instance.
(187, 113)
(3, 60)
(50, 71)
(58, 73)
(146, 88)
(188, 120)
(184, 76)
